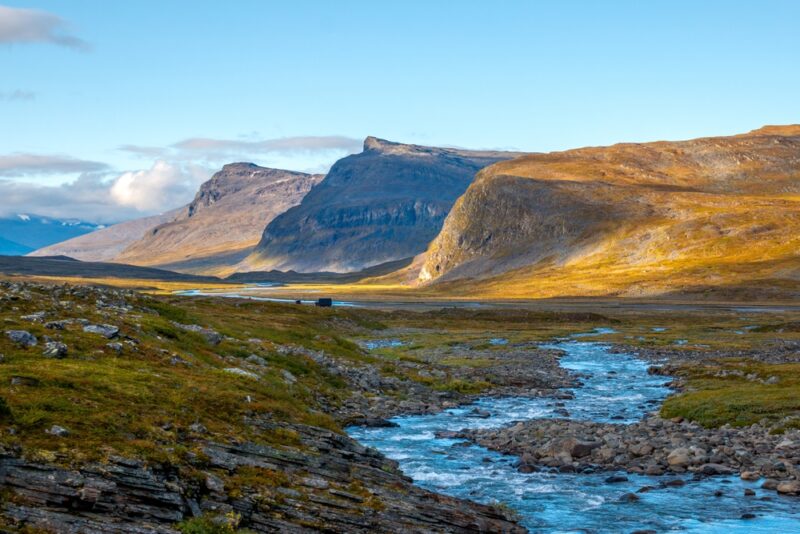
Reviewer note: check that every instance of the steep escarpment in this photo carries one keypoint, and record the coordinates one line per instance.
(652, 218)
(383, 204)
(223, 222)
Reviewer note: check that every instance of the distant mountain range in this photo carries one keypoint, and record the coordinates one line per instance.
(633, 219)
(22, 233)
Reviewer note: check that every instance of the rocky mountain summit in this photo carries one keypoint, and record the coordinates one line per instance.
(652, 217)
(383, 204)
(224, 221)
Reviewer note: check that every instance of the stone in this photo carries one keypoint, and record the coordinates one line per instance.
(241, 372)
(213, 483)
(770, 484)
(198, 428)
(716, 469)
(256, 360)
(750, 475)
(59, 431)
(211, 336)
(54, 349)
(629, 498)
(748, 492)
(22, 338)
(615, 479)
(679, 457)
(34, 317)
(106, 330)
(789, 487)
(288, 377)
(116, 347)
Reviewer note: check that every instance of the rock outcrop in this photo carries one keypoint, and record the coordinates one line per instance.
(652, 217)
(332, 485)
(383, 204)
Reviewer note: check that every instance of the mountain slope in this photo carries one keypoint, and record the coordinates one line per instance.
(630, 219)
(381, 205)
(35, 231)
(223, 222)
(107, 243)
(10, 248)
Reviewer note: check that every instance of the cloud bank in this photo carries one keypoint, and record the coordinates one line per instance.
(98, 194)
(22, 164)
(105, 197)
(216, 150)
(19, 25)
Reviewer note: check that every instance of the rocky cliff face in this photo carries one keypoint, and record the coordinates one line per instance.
(383, 204)
(652, 217)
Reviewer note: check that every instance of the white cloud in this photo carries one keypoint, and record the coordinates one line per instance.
(19, 25)
(263, 151)
(163, 186)
(22, 164)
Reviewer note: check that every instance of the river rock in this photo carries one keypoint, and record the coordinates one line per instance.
(679, 457)
(789, 487)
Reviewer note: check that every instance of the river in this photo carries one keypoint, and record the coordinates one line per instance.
(615, 388)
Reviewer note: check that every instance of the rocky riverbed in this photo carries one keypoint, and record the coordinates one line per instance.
(653, 446)
(566, 474)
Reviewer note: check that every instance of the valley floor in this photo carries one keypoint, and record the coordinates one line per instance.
(164, 413)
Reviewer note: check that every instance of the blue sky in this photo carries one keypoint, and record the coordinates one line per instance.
(98, 94)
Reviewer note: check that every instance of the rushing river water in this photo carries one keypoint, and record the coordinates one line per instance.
(616, 388)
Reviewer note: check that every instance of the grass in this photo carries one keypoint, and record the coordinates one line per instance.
(713, 400)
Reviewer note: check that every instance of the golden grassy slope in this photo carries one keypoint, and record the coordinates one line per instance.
(628, 220)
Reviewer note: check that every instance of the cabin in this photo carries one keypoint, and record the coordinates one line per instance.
(324, 303)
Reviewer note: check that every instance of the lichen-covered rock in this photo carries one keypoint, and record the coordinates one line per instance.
(22, 338)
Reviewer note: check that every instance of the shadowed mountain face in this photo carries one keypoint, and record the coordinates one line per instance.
(381, 205)
(630, 219)
(215, 231)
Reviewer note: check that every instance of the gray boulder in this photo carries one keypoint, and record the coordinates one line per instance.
(54, 349)
(22, 338)
(106, 330)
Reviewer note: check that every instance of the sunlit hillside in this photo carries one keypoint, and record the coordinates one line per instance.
(713, 214)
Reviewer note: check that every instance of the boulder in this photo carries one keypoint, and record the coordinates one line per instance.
(679, 457)
(22, 338)
(106, 330)
(54, 349)
(789, 487)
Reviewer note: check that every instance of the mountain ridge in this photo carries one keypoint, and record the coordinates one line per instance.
(649, 216)
(381, 205)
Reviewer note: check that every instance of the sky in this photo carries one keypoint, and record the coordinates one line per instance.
(114, 110)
